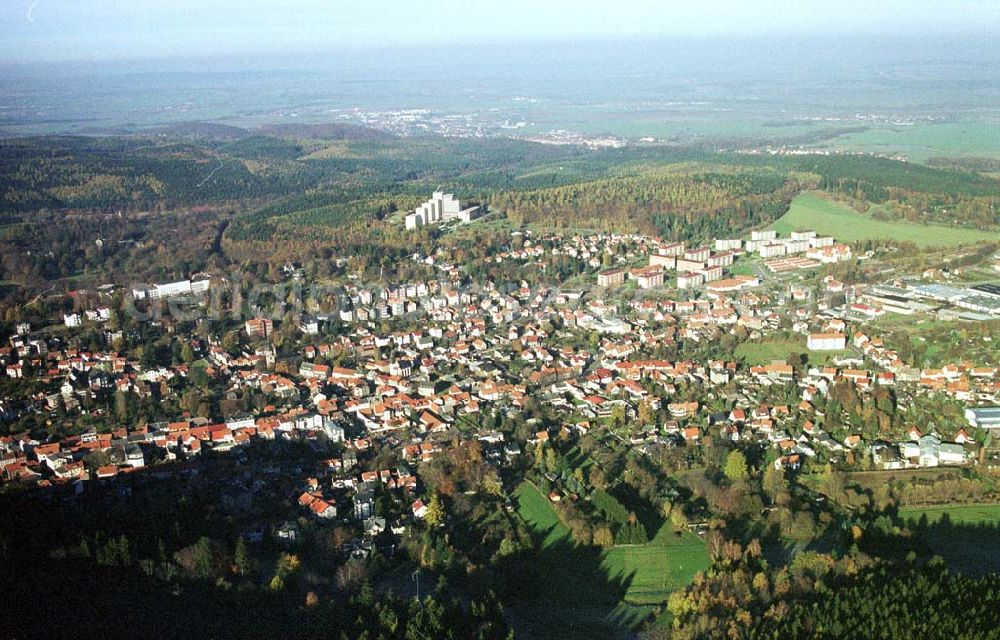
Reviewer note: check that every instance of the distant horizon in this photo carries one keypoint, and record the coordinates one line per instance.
(962, 46)
(685, 86)
(60, 31)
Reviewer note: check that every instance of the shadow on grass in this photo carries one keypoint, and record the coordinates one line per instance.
(969, 548)
(647, 513)
(570, 594)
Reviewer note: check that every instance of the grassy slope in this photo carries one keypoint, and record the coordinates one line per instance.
(578, 587)
(827, 217)
(664, 565)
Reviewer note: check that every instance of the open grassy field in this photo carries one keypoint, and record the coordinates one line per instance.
(947, 341)
(664, 565)
(583, 592)
(966, 536)
(819, 213)
(921, 141)
(766, 351)
(743, 268)
(958, 514)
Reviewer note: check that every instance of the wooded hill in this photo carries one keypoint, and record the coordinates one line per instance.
(301, 191)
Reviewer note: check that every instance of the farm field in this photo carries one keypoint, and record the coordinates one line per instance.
(817, 212)
(586, 593)
(966, 536)
(922, 141)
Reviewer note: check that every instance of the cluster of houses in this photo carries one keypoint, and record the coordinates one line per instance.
(699, 266)
(130, 449)
(467, 350)
(921, 451)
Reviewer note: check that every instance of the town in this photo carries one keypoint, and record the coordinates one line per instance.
(468, 365)
(581, 321)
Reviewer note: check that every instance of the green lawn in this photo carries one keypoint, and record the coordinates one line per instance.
(868, 480)
(583, 592)
(664, 565)
(958, 514)
(816, 212)
(911, 324)
(766, 351)
(742, 268)
(537, 512)
(968, 539)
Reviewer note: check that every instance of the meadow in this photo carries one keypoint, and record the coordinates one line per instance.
(583, 592)
(766, 351)
(918, 142)
(967, 537)
(957, 514)
(819, 213)
(665, 564)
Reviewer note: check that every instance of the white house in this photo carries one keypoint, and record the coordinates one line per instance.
(826, 341)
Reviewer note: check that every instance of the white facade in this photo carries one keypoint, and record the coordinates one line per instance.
(170, 289)
(688, 280)
(830, 254)
(826, 341)
(796, 246)
(179, 288)
(772, 250)
(667, 262)
(723, 259)
(711, 274)
(442, 207)
(728, 244)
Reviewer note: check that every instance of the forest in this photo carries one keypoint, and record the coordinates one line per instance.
(90, 209)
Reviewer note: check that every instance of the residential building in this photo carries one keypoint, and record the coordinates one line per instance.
(259, 327)
(690, 279)
(611, 278)
(685, 264)
(648, 277)
(442, 207)
(665, 261)
(826, 341)
(734, 244)
(763, 235)
(983, 417)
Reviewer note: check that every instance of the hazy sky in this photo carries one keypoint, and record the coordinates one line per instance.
(44, 30)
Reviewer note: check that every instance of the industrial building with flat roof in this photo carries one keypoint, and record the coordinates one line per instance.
(983, 417)
(987, 289)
